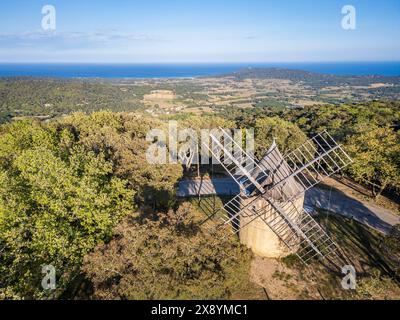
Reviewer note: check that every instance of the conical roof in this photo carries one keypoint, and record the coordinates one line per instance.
(275, 165)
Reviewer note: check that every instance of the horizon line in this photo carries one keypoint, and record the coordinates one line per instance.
(198, 62)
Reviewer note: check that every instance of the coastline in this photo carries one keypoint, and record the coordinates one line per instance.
(186, 70)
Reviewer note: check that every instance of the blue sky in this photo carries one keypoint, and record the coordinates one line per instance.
(199, 31)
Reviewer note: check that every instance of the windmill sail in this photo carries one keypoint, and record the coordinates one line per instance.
(241, 167)
(301, 169)
(279, 181)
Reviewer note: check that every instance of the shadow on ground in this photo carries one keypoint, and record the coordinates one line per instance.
(338, 202)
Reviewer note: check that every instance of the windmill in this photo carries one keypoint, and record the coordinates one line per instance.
(272, 190)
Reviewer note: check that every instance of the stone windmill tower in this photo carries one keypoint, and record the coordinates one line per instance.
(268, 213)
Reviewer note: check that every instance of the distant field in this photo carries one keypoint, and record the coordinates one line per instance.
(255, 88)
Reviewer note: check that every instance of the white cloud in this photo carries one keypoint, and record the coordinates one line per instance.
(57, 40)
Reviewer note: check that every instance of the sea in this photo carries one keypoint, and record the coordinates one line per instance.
(91, 70)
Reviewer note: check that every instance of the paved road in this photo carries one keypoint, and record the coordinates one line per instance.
(221, 186)
(334, 200)
(338, 202)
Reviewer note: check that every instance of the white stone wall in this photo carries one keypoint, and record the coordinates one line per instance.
(259, 237)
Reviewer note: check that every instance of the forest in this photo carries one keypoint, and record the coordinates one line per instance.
(311, 78)
(77, 193)
(82, 182)
(54, 97)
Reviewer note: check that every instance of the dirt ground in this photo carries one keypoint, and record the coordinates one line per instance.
(363, 247)
(281, 282)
